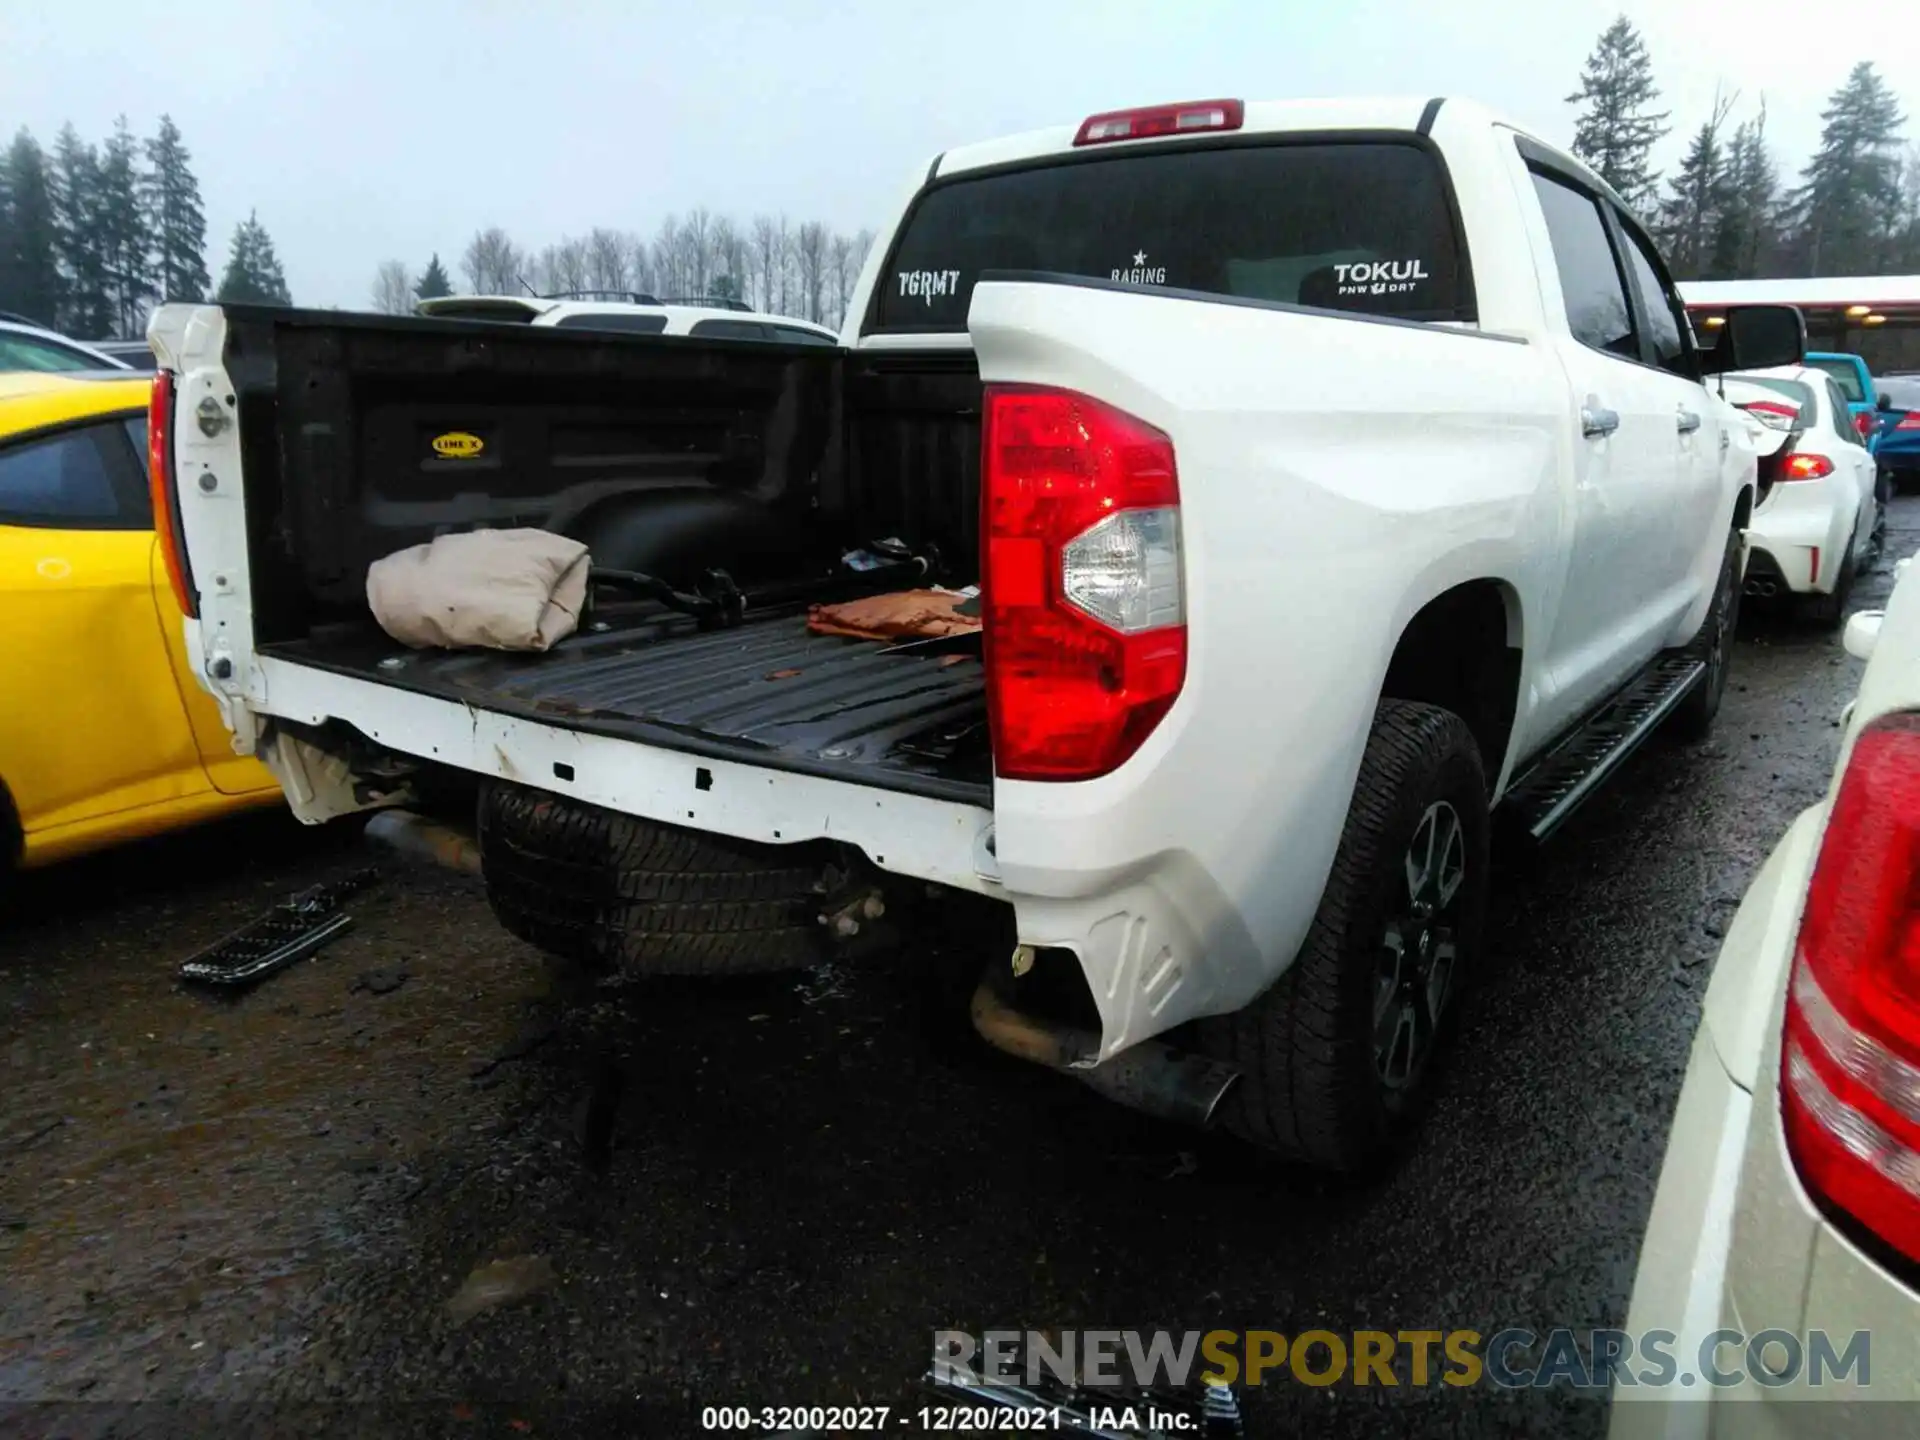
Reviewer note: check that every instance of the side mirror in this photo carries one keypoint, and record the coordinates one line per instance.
(1758, 337)
(1885, 402)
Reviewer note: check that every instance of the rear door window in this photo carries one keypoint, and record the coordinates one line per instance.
(1361, 226)
(1590, 281)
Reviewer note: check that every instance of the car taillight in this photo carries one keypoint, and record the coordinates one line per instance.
(1909, 421)
(1866, 424)
(1850, 1055)
(166, 499)
(1084, 604)
(1806, 467)
(1192, 116)
(1778, 417)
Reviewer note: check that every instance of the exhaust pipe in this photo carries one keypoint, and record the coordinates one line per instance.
(1152, 1076)
(419, 838)
(1764, 589)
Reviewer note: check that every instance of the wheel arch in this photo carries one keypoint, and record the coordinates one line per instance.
(1462, 651)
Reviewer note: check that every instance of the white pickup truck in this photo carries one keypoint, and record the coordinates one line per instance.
(1338, 476)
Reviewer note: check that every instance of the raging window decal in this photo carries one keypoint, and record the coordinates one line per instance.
(1141, 273)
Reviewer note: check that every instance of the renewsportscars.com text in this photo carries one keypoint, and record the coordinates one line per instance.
(1511, 1358)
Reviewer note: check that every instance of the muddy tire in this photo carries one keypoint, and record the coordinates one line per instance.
(1337, 1057)
(612, 893)
(1713, 646)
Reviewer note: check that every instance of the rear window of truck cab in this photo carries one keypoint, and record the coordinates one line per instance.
(1362, 226)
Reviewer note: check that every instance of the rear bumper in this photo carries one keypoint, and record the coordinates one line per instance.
(1802, 528)
(1143, 934)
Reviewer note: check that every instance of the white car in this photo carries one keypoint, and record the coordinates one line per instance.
(634, 313)
(1790, 1197)
(25, 346)
(1256, 659)
(1818, 523)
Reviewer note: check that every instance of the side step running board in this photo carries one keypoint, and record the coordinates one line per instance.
(1556, 784)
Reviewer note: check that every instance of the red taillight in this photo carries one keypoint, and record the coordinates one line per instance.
(1193, 116)
(1850, 1056)
(166, 501)
(1909, 421)
(1806, 467)
(1866, 424)
(1084, 601)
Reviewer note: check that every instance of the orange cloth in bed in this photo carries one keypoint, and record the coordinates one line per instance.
(903, 615)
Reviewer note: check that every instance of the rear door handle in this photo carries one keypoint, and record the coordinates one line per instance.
(1688, 421)
(1597, 420)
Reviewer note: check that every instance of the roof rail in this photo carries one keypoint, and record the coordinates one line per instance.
(716, 302)
(625, 297)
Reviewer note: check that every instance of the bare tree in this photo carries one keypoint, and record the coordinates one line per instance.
(607, 267)
(766, 257)
(730, 265)
(570, 267)
(393, 288)
(811, 250)
(640, 269)
(669, 259)
(492, 263)
(537, 269)
(696, 243)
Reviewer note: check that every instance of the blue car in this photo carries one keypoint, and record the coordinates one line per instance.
(1850, 373)
(1899, 416)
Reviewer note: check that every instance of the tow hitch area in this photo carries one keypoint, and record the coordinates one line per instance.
(1120, 1412)
(289, 932)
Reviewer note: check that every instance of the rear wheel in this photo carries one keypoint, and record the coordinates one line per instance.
(1337, 1058)
(610, 893)
(1713, 647)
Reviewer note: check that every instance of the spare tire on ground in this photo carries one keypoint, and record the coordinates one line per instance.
(613, 893)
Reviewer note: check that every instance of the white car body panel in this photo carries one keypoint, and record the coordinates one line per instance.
(1801, 519)
(1786, 1266)
(1185, 879)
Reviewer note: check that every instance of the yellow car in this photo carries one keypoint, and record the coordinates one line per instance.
(104, 732)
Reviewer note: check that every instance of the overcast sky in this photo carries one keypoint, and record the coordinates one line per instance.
(361, 131)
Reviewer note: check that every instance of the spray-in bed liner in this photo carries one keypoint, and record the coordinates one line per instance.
(765, 692)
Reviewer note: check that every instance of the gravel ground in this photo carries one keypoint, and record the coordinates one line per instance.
(271, 1202)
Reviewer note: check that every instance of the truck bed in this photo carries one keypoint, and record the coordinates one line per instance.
(766, 692)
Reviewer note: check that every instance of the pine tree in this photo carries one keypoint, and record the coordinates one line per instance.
(76, 210)
(433, 282)
(124, 240)
(1618, 129)
(1746, 231)
(253, 274)
(1849, 192)
(1689, 214)
(175, 218)
(29, 258)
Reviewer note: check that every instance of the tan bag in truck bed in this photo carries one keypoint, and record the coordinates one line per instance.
(491, 589)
